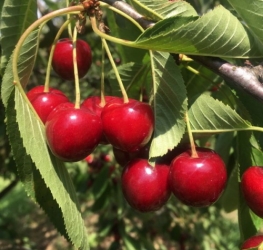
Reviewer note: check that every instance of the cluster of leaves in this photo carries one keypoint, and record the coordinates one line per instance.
(174, 90)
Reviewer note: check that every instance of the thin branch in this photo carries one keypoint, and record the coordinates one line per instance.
(247, 78)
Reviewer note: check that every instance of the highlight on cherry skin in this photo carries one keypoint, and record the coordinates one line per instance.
(145, 187)
(62, 61)
(72, 133)
(252, 189)
(198, 181)
(93, 103)
(45, 102)
(134, 130)
(252, 242)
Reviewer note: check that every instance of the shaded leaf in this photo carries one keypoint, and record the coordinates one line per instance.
(248, 154)
(121, 27)
(24, 66)
(161, 9)
(217, 33)
(100, 183)
(16, 16)
(252, 13)
(134, 77)
(230, 197)
(170, 104)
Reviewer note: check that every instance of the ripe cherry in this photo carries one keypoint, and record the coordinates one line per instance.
(93, 103)
(198, 181)
(62, 61)
(252, 189)
(45, 102)
(72, 134)
(127, 126)
(145, 187)
(252, 242)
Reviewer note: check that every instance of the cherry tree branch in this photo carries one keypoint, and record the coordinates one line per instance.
(247, 78)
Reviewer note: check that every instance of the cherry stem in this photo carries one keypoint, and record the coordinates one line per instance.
(110, 38)
(123, 91)
(69, 25)
(196, 72)
(102, 85)
(38, 23)
(47, 80)
(102, 4)
(75, 66)
(191, 138)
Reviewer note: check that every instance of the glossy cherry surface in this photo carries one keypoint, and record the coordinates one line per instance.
(93, 103)
(72, 134)
(62, 61)
(145, 187)
(128, 126)
(45, 102)
(198, 181)
(252, 189)
(252, 242)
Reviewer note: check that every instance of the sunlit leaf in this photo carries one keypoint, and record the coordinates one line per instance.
(217, 33)
(170, 104)
(161, 9)
(16, 16)
(24, 66)
(209, 114)
(51, 170)
(252, 13)
(29, 175)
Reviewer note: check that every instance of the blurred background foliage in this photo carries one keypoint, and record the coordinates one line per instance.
(111, 223)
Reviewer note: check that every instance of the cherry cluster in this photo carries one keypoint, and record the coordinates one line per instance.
(195, 181)
(73, 133)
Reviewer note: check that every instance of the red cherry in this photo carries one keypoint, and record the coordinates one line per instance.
(62, 61)
(145, 187)
(198, 181)
(45, 102)
(93, 104)
(128, 126)
(72, 134)
(252, 189)
(252, 242)
(171, 154)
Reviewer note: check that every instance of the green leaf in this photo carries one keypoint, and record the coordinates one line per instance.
(101, 183)
(24, 66)
(207, 114)
(217, 33)
(230, 197)
(29, 175)
(248, 154)
(16, 16)
(121, 27)
(170, 104)
(161, 9)
(134, 77)
(53, 171)
(251, 13)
